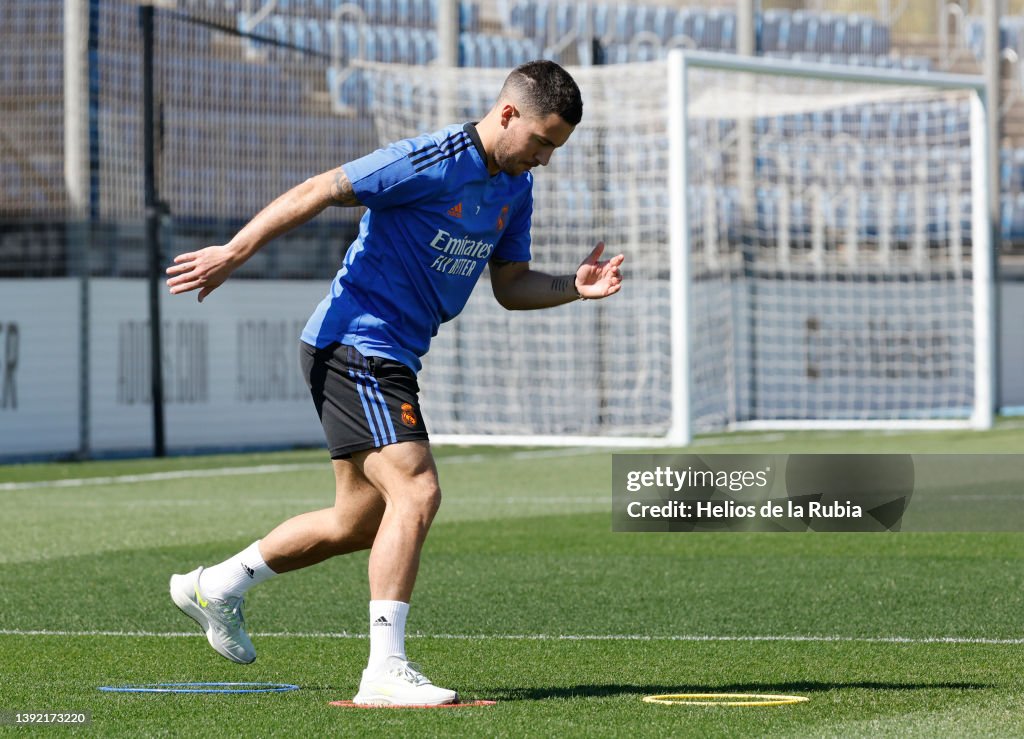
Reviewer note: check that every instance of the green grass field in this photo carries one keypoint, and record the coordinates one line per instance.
(525, 597)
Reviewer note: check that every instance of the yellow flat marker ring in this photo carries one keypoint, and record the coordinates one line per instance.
(724, 699)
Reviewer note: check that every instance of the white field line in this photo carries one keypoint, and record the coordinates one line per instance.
(547, 637)
(77, 482)
(978, 498)
(263, 469)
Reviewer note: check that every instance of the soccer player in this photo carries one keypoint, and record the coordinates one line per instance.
(440, 206)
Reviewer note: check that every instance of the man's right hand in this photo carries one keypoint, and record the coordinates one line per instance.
(204, 270)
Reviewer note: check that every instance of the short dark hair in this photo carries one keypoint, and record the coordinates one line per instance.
(544, 88)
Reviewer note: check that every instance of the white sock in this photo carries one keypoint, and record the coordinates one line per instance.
(387, 631)
(235, 575)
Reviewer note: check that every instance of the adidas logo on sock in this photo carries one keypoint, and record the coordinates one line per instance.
(249, 570)
(382, 621)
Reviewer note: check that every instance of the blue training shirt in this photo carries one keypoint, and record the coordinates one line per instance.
(435, 216)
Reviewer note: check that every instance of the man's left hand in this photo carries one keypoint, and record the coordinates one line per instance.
(596, 279)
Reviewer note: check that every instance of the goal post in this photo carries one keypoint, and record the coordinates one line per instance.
(840, 279)
(856, 290)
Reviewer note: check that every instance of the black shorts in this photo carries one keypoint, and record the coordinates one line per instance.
(363, 402)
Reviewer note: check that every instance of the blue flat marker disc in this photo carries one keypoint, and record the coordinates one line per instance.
(201, 688)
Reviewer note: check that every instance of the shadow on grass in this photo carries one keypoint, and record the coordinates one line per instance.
(608, 691)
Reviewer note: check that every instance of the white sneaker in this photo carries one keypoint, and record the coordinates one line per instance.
(222, 620)
(400, 683)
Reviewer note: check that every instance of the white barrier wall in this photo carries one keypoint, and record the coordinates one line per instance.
(1011, 344)
(39, 366)
(231, 373)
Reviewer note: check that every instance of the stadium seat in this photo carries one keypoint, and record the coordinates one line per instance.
(368, 43)
(769, 23)
(528, 50)
(427, 12)
(349, 35)
(699, 29)
(370, 8)
(299, 34)
(516, 16)
(664, 19)
(401, 44)
(501, 50)
(419, 46)
(565, 19)
(820, 33)
(684, 23)
(641, 19)
(1011, 171)
(1013, 217)
(849, 35)
(1017, 171)
(468, 53)
(866, 213)
(385, 46)
(626, 22)
(1010, 32)
(724, 25)
(403, 13)
(275, 27)
(881, 39)
(599, 20)
(938, 217)
(796, 32)
(486, 51)
(523, 50)
(432, 44)
(767, 210)
(469, 15)
(387, 12)
(526, 16)
(317, 37)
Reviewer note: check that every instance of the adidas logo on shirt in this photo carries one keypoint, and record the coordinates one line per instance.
(455, 211)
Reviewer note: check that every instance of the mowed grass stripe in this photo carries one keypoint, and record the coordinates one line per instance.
(541, 637)
(258, 469)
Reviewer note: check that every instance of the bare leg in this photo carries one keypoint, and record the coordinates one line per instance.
(351, 525)
(406, 476)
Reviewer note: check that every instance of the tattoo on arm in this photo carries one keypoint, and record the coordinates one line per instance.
(560, 284)
(342, 192)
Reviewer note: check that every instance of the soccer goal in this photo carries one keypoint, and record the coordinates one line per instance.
(832, 267)
(807, 247)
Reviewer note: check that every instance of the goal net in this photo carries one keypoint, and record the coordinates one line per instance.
(839, 264)
(809, 258)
